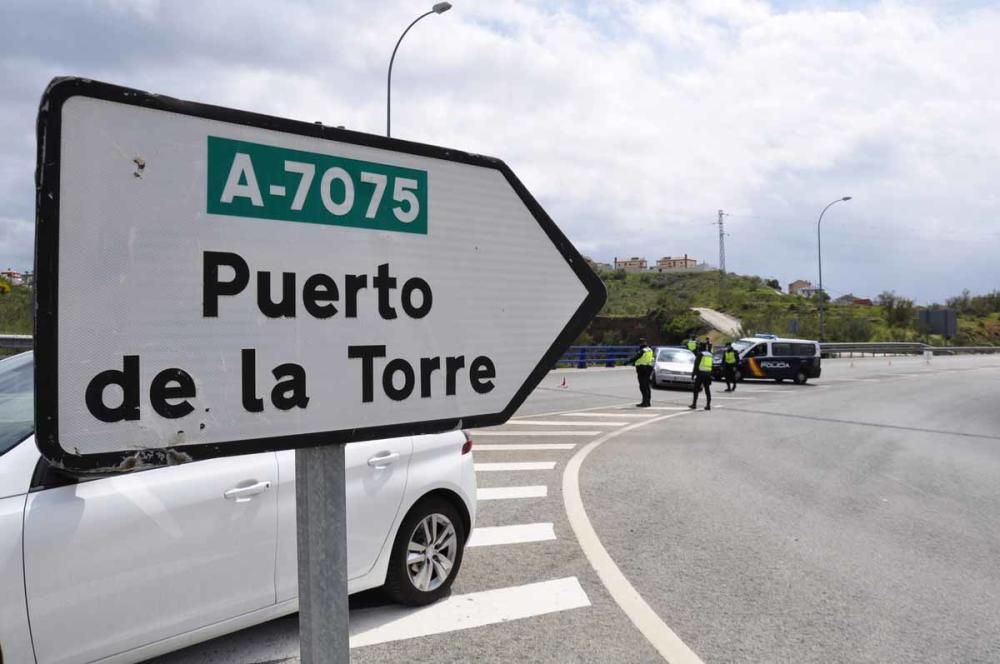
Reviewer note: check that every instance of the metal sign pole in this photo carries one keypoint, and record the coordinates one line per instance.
(321, 524)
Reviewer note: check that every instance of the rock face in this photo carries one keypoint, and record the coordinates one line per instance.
(722, 322)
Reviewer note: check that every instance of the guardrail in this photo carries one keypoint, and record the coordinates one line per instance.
(14, 342)
(830, 349)
(609, 356)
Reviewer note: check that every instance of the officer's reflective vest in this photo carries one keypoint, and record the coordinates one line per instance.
(729, 357)
(646, 359)
(705, 364)
(692, 345)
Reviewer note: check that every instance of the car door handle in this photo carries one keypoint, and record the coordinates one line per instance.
(242, 494)
(383, 459)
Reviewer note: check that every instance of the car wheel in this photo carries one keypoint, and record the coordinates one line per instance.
(801, 378)
(427, 553)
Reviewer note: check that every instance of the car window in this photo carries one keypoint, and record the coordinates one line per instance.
(741, 345)
(673, 355)
(804, 350)
(17, 400)
(759, 350)
(780, 349)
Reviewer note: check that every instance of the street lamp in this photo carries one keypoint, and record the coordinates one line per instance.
(438, 8)
(819, 252)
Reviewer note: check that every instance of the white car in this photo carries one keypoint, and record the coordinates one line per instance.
(126, 567)
(673, 366)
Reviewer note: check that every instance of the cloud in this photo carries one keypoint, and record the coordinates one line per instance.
(632, 122)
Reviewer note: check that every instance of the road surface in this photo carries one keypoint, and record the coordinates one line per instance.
(852, 519)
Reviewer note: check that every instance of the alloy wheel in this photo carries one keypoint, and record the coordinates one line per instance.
(430, 552)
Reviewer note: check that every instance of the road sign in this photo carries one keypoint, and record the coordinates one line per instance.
(214, 282)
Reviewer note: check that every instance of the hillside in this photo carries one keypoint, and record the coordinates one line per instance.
(663, 302)
(658, 305)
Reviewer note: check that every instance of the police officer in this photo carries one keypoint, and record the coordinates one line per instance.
(643, 361)
(702, 375)
(729, 362)
(692, 345)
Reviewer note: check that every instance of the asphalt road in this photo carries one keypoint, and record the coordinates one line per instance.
(853, 519)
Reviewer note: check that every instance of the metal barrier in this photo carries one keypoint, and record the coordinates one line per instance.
(15, 342)
(899, 348)
(609, 356)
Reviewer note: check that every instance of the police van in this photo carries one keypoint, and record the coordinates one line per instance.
(774, 358)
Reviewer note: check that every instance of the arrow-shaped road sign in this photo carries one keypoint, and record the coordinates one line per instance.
(214, 282)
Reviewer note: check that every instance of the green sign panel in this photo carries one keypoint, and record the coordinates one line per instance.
(265, 182)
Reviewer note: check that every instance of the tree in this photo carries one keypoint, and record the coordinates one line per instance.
(774, 283)
(898, 311)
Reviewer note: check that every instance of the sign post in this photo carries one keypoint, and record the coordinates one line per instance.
(321, 525)
(212, 282)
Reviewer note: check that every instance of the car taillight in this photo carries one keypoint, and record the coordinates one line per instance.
(467, 445)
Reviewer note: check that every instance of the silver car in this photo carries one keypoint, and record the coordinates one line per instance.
(673, 366)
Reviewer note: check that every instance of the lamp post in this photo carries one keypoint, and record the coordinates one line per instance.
(438, 8)
(819, 253)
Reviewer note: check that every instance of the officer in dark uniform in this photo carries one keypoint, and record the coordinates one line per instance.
(702, 375)
(729, 362)
(643, 361)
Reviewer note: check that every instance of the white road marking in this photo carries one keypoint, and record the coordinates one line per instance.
(618, 414)
(521, 465)
(480, 432)
(657, 632)
(503, 447)
(519, 534)
(575, 410)
(666, 408)
(512, 492)
(562, 423)
(488, 607)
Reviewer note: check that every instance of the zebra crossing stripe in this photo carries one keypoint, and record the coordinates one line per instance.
(458, 612)
(518, 534)
(479, 432)
(506, 447)
(513, 465)
(512, 492)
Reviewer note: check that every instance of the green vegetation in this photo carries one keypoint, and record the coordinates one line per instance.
(15, 308)
(661, 302)
(664, 301)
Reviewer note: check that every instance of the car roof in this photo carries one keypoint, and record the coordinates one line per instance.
(789, 339)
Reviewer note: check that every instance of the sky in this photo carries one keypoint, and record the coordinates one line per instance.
(633, 123)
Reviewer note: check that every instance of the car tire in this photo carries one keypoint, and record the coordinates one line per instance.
(420, 582)
(801, 378)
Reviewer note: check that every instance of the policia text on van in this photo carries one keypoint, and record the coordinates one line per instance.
(774, 359)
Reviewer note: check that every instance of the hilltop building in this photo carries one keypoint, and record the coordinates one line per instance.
(634, 264)
(668, 263)
(13, 276)
(802, 287)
